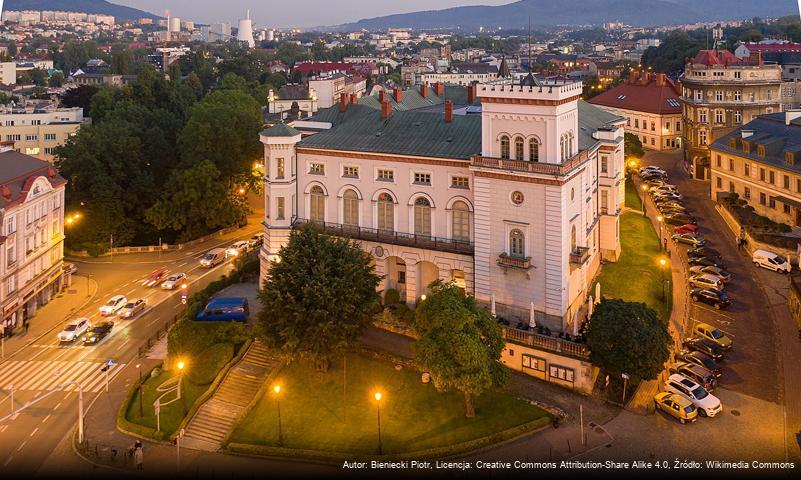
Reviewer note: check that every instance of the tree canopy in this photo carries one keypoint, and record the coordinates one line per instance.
(625, 337)
(632, 146)
(460, 344)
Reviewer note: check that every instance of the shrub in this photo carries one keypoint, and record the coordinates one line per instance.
(404, 314)
(391, 297)
(213, 360)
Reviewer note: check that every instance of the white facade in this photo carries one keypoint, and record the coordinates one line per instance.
(39, 132)
(524, 235)
(8, 73)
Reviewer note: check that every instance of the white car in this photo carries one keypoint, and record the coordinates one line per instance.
(114, 303)
(132, 308)
(663, 188)
(712, 270)
(173, 281)
(651, 169)
(708, 404)
(706, 280)
(238, 248)
(74, 329)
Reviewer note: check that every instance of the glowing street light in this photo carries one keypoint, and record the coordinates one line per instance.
(277, 391)
(663, 264)
(180, 365)
(377, 397)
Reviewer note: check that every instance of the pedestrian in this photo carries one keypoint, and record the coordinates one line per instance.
(25, 325)
(138, 458)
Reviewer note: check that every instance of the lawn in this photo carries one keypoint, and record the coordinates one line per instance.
(633, 199)
(172, 414)
(636, 276)
(414, 416)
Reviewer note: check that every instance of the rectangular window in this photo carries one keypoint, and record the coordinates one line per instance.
(738, 75)
(718, 116)
(786, 208)
(653, 126)
(702, 115)
(747, 192)
(50, 136)
(763, 199)
(798, 185)
(738, 95)
(731, 187)
(11, 285)
(636, 123)
(772, 177)
(604, 164)
(317, 169)
(718, 95)
(280, 214)
(31, 137)
(533, 363)
(13, 138)
(747, 169)
(460, 182)
(350, 172)
(738, 117)
(11, 256)
(562, 373)
(762, 174)
(32, 151)
(702, 137)
(604, 201)
(401, 277)
(719, 182)
(787, 182)
(386, 175)
(772, 202)
(422, 178)
(11, 225)
(279, 168)
(731, 164)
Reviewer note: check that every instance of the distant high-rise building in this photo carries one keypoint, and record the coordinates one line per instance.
(245, 31)
(174, 24)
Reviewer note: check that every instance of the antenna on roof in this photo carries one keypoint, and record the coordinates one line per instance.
(529, 43)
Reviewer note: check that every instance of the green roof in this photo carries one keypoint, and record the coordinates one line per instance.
(280, 129)
(412, 99)
(591, 118)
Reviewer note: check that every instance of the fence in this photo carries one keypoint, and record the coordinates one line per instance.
(157, 335)
(554, 344)
(113, 455)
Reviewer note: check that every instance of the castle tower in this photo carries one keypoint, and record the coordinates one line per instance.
(280, 177)
(245, 31)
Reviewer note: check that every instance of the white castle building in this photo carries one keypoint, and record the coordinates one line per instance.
(511, 189)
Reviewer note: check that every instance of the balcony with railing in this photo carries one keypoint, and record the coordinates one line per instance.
(546, 342)
(508, 261)
(356, 232)
(579, 255)
(555, 169)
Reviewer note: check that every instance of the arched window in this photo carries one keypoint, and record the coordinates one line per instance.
(422, 217)
(461, 221)
(317, 204)
(534, 150)
(573, 238)
(350, 208)
(570, 144)
(386, 212)
(517, 244)
(562, 148)
(519, 148)
(505, 147)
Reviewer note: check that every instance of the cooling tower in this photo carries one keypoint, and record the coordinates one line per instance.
(245, 31)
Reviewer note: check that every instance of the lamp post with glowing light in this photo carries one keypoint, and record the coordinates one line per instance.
(277, 391)
(661, 220)
(181, 364)
(663, 265)
(644, 192)
(377, 397)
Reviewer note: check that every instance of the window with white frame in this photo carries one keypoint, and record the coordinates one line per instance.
(11, 284)
(280, 168)
(386, 212)
(350, 172)
(505, 147)
(738, 95)
(11, 225)
(317, 204)
(50, 136)
(350, 208)
(460, 221)
(562, 373)
(422, 217)
(702, 115)
(519, 148)
(533, 363)
(317, 168)
(385, 175)
(11, 256)
(718, 116)
(534, 150)
(280, 207)
(517, 243)
(421, 178)
(460, 182)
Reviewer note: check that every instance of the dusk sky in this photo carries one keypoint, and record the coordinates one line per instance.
(284, 13)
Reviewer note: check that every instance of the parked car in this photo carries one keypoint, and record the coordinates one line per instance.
(70, 268)
(677, 406)
(155, 277)
(688, 228)
(665, 188)
(707, 347)
(132, 309)
(97, 333)
(696, 373)
(655, 182)
(669, 195)
(718, 272)
(704, 251)
(238, 248)
(74, 329)
(708, 404)
(651, 168)
(713, 334)
(671, 209)
(688, 239)
(679, 219)
(771, 261)
(256, 241)
(710, 296)
(706, 280)
(114, 303)
(699, 358)
(706, 262)
(654, 175)
(173, 281)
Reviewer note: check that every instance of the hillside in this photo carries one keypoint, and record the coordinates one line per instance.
(547, 13)
(120, 12)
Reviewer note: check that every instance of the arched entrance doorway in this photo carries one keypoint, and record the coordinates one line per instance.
(427, 272)
(395, 269)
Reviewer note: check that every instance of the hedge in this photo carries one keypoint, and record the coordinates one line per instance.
(214, 359)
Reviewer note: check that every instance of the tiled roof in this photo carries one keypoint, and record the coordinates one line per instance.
(280, 129)
(772, 47)
(17, 172)
(412, 99)
(715, 57)
(293, 92)
(591, 118)
(773, 133)
(642, 97)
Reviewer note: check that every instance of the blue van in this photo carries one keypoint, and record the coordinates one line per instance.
(225, 309)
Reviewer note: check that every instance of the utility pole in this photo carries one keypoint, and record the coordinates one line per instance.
(581, 416)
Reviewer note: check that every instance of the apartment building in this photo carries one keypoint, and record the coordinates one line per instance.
(721, 92)
(761, 162)
(38, 130)
(651, 105)
(32, 240)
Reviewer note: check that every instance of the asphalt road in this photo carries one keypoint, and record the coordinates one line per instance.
(45, 365)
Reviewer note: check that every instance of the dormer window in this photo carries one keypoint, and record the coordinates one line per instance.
(789, 158)
(732, 142)
(761, 150)
(746, 147)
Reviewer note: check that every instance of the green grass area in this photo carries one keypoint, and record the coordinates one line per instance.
(633, 199)
(636, 276)
(318, 415)
(172, 414)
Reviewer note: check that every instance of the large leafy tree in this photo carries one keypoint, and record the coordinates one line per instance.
(626, 337)
(632, 146)
(460, 344)
(318, 298)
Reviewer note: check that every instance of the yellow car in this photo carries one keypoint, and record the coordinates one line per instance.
(713, 334)
(677, 406)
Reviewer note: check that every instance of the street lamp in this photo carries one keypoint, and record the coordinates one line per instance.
(181, 364)
(663, 264)
(644, 190)
(660, 219)
(141, 390)
(277, 391)
(377, 397)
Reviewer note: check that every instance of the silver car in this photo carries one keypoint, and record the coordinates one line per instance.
(132, 309)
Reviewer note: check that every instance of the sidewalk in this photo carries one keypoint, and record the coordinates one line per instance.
(51, 316)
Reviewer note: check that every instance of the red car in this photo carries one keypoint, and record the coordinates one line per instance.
(689, 228)
(155, 277)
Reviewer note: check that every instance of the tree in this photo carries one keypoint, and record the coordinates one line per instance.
(669, 56)
(632, 146)
(56, 80)
(626, 337)
(318, 298)
(80, 97)
(460, 344)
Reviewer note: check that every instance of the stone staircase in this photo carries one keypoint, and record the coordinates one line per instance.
(215, 418)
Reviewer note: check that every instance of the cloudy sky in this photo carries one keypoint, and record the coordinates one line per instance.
(293, 13)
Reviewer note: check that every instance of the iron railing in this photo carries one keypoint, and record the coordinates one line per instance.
(554, 344)
(557, 169)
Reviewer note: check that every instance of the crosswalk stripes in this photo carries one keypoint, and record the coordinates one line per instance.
(50, 374)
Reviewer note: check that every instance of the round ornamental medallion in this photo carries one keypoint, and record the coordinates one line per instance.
(517, 198)
(379, 251)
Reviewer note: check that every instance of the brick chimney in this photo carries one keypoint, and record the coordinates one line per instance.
(381, 97)
(448, 111)
(386, 109)
(424, 90)
(354, 99)
(343, 102)
(632, 77)
(398, 94)
(471, 93)
(661, 79)
(439, 89)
